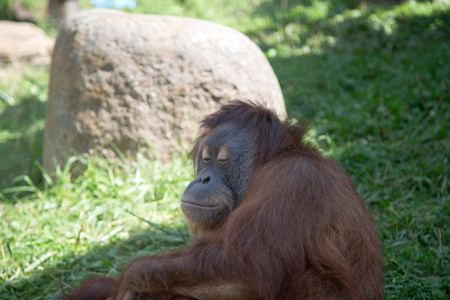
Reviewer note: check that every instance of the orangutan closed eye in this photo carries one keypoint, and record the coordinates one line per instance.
(273, 219)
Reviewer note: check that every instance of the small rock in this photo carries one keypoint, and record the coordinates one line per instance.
(24, 41)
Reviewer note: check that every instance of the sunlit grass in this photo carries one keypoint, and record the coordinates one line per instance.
(69, 217)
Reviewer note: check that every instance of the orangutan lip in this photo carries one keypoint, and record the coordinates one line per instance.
(193, 204)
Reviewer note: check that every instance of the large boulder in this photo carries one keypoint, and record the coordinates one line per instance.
(132, 80)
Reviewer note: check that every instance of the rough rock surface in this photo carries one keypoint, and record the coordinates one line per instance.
(133, 80)
(24, 41)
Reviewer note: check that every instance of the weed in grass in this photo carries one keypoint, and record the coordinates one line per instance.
(71, 222)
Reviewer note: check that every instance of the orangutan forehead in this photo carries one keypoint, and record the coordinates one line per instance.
(222, 151)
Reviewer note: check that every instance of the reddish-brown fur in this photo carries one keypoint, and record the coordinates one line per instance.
(300, 232)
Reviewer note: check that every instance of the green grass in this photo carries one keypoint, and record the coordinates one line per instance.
(74, 228)
(23, 93)
(374, 82)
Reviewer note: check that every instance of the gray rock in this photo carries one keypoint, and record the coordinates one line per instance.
(134, 80)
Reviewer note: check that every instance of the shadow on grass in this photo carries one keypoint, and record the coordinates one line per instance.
(21, 138)
(368, 68)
